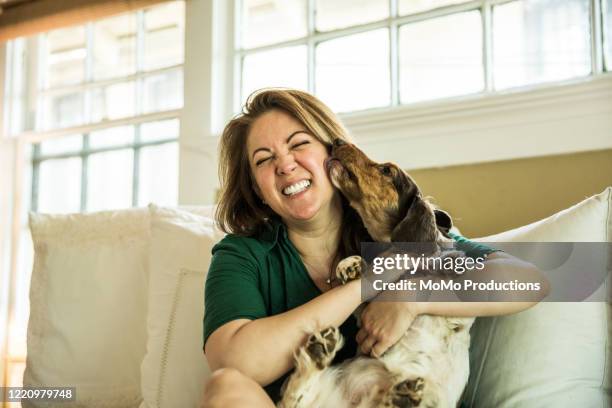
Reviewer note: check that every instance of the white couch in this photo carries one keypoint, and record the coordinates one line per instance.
(117, 305)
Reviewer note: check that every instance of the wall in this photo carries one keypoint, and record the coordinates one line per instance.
(492, 197)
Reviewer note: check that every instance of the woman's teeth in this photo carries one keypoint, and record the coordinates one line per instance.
(297, 187)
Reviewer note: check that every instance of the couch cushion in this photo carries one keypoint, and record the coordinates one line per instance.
(87, 305)
(174, 368)
(554, 354)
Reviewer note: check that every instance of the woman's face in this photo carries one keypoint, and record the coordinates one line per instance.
(288, 166)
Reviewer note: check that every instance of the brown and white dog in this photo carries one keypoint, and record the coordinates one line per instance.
(429, 366)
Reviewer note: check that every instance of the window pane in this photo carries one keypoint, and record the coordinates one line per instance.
(441, 57)
(417, 6)
(283, 67)
(113, 102)
(154, 131)
(63, 110)
(336, 14)
(608, 33)
(109, 183)
(59, 186)
(352, 72)
(540, 40)
(64, 54)
(117, 136)
(164, 34)
(114, 47)
(163, 91)
(68, 144)
(272, 21)
(158, 175)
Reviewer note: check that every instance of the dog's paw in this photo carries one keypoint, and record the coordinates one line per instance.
(350, 268)
(322, 346)
(408, 393)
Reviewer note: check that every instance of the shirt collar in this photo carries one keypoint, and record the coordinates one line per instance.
(272, 231)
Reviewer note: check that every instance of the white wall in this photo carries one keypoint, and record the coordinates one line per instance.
(554, 119)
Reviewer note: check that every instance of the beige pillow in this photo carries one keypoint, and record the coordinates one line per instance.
(554, 354)
(174, 369)
(87, 305)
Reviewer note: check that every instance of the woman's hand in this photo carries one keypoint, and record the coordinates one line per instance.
(383, 324)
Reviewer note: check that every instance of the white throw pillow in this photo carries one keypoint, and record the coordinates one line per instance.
(554, 354)
(87, 305)
(174, 369)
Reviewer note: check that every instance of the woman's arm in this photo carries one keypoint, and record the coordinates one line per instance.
(499, 265)
(383, 323)
(263, 349)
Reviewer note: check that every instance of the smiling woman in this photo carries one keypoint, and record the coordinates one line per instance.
(289, 172)
(269, 281)
(249, 150)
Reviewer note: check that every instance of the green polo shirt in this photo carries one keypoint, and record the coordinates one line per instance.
(255, 277)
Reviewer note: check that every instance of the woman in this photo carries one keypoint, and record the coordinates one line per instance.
(270, 281)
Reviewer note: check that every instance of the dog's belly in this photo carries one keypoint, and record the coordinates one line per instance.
(436, 349)
(363, 379)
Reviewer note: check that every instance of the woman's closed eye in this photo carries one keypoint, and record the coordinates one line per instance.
(304, 142)
(262, 160)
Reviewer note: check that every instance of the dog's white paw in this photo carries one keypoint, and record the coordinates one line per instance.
(322, 346)
(350, 268)
(406, 394)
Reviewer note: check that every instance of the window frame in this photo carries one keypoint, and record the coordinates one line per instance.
(393, 24)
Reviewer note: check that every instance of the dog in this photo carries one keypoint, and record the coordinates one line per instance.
(429, 366)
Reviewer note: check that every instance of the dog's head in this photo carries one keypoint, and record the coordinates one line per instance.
(387, 199)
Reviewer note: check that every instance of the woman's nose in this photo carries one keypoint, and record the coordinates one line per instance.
(339, 142)
(286, 164)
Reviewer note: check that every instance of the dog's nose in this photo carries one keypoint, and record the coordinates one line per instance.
(339, 142)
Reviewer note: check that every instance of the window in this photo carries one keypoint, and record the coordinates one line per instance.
(96, 108)
(110, 168)
(607, 26)
(368, 54)
(118, 82)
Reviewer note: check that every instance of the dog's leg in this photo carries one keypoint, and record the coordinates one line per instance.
(405, 394)
(311, 360)
(350, 268)
(414, 392)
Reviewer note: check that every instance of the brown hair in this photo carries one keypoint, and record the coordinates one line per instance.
(240, 211)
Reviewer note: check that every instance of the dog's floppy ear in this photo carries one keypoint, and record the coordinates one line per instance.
(418, 224)
(443, 221)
